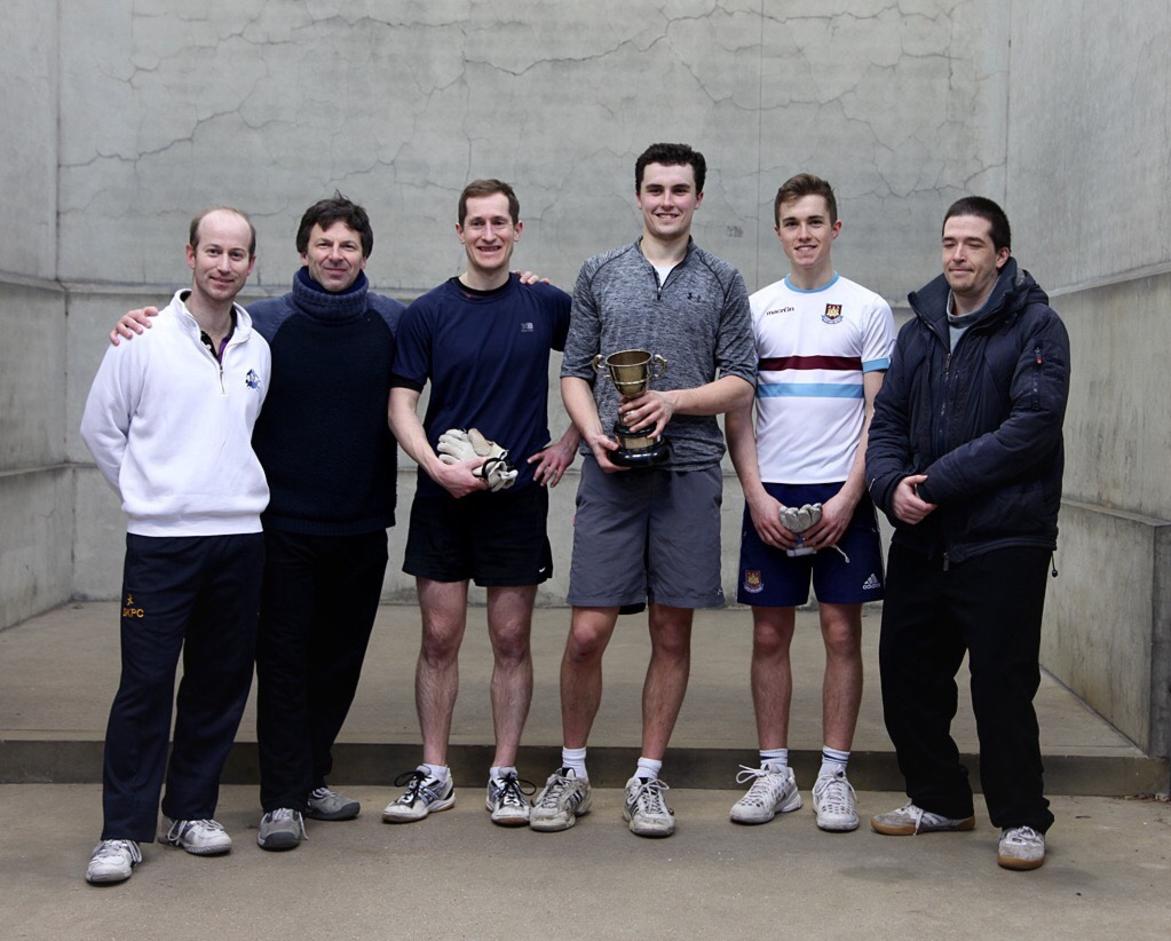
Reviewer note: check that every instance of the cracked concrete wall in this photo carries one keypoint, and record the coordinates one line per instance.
(1088, 165)
(36, 505)
(270, 105)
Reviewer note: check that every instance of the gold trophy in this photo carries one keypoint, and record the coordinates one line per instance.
(632, 371)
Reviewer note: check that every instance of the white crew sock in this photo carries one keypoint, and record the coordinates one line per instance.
(833, 761)
(648, 768)
(574, 759)
(776, 759)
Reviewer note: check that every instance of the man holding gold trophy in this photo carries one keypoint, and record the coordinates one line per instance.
(659, 341)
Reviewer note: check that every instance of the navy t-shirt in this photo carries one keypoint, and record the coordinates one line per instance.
(486, 355)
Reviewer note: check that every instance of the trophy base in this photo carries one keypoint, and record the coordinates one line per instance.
(638, 450)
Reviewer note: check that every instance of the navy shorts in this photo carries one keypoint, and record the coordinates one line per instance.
(769, 578)
(495, 539)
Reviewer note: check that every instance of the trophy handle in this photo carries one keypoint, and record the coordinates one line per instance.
(598, 361)
(658, 366)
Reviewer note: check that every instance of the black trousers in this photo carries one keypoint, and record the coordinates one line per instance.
(990, 607)
(198, 594)
(320, 597)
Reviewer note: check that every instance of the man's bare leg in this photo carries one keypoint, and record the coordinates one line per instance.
(590, 630)
(510, 619)
(666, 676)
(444, 607)
(771, 674)
(841, 688)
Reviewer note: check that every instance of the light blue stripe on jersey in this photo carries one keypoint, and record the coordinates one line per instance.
(817, 290)
(873, 365)
(817, 390)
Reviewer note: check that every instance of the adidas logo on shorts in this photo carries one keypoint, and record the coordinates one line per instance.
(871, 583)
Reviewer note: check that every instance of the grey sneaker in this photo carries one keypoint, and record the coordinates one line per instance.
(281, 829)
(1021, 848)
(424, 795)
(507, 801)
(834, 803)
(112, 861)
(645, 810)
(324, 803)
(563, 799)
(199, 837)
(909, 820)
(772, 792)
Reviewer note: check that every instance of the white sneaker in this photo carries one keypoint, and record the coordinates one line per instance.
(112, 861)
(773, 791)
(424, 795)
(645, 810)
(506, 800)
(199, 837)
(911, 819)
(834, 803)
(563, 799)
(1021, 848)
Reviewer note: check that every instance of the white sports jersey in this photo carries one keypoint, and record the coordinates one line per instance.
(813, 347)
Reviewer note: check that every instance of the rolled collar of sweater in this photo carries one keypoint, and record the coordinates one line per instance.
(320, 304)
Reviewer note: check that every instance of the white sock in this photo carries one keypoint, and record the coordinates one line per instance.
(574, 759)
(440, 772)
(775, 758)
(648, 768)
(833, 761)
(497, 773)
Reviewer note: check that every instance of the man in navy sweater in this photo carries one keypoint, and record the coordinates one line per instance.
(482, 341)
(330, 461)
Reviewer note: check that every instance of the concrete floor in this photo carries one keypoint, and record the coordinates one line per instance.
(457, 876)
(58, 673)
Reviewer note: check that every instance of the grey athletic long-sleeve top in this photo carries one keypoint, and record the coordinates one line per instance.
(698, 320)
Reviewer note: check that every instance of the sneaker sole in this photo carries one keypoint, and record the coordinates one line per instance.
(349, 812)
(830, 826)
(112, 879)
(202, 850)
(908, 829)
(279, 842)
(793, 803)
(654, 832)
(1019, 865)
(437, 807)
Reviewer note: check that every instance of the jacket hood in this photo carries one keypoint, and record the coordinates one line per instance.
(1015, 289)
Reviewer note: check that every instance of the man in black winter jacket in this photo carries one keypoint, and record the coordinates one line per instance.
(965, 458)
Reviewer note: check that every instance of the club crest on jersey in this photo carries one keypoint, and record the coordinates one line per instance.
(252, 379)
(526, 327)
(833, 313)
(753, 583)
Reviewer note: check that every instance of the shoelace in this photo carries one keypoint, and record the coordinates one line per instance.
(761, 791)
(321, 793)
(108, 849)
(511, 791)
(1022, 836)
(910, 810)
(180, 827)
(834, 797)
(416, 783)
(549, 797)
(649, 797)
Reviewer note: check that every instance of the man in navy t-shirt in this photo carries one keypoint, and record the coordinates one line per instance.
(482, 340)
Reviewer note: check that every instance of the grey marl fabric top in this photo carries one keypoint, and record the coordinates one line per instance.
(698, 320)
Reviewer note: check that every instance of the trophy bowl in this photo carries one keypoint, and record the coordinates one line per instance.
(631, 372)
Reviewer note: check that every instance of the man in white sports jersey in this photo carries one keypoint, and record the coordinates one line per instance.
(823, 344)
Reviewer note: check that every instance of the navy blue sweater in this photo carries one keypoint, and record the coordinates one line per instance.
(322, 436)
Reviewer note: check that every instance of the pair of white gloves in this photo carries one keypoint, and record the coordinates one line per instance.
(457, 445)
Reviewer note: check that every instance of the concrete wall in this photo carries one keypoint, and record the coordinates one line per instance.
(269, 105)
(1087, 168)
(36, 506)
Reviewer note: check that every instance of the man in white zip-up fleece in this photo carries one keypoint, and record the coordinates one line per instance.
(169, 423)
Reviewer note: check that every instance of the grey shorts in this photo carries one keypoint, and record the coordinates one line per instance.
(647, 535)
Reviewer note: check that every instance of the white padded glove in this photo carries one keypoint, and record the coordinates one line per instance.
(798, 519)
(456, 445)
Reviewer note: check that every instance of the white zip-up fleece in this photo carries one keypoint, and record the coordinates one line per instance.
(171, 428)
